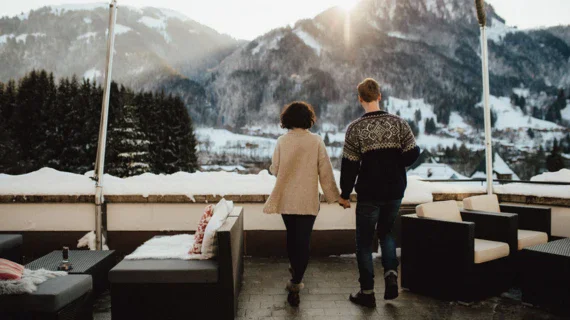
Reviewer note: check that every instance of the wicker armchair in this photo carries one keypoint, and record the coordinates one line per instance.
(457, 255)
(534, 226)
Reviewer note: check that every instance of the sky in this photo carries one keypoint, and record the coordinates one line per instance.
(247, 19)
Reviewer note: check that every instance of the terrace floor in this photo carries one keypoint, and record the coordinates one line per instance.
(329, 281)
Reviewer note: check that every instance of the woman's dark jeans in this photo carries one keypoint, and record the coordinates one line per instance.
(379, 217)
(299, 229)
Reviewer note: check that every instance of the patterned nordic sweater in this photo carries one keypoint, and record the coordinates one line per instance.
(378, 148)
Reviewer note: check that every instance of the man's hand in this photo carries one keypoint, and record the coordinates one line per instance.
(345, 203)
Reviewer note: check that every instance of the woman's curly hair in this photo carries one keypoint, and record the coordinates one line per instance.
(298, 114)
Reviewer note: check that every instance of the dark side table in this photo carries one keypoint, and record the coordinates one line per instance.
(546, 276)
(94, 263)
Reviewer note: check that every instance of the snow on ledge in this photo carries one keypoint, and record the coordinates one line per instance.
(47, 182)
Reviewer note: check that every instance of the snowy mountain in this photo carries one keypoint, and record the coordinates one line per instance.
(421, 51)
(425, 54)
(154, 48)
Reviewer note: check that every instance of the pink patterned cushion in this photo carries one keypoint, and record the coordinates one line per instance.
(10, 270)
(199, 235)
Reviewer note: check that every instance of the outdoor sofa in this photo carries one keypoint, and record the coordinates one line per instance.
(61, 298)
(11, 247)
(457, 255)
(183, 289)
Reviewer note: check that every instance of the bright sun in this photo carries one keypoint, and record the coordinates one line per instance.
(347, 4)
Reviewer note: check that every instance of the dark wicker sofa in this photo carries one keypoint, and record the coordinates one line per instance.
(62, 298)
(441, 257)
(11, 247)
(180, 289)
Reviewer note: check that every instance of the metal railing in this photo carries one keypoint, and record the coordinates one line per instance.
(500, 181)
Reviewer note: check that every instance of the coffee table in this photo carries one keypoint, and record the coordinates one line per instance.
(546, 275)
(94, 263)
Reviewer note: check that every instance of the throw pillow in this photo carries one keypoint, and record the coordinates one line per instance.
(221, 213)
(10, 270)
(199, 235)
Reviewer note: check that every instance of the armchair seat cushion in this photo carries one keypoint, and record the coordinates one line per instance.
(529, 238)
(486, 250)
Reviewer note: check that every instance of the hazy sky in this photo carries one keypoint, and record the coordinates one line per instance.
(246, 19)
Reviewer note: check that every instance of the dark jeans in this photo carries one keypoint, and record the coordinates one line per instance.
(299, 229)
(379, 217)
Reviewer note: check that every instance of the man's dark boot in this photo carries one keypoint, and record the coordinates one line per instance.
(391, 280)
(362, 299)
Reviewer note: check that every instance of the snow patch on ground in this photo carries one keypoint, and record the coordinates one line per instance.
(87, 35)
(266, 44)
(566, 112)
(400, 35)
(559, 176)
(512, 117)
(87, 20)
(309, 40)
(435, 171)
(92, 73)
(119, 29)
(157, 24)
(59, 9)
(169, 13)
(4, 38)
(522, 92)
(221, 141)
(498, 30)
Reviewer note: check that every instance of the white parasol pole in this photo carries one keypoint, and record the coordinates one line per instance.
(100, 161)
(482, 17)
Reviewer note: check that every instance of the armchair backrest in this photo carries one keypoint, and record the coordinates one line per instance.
(442, 210)
(488, 203)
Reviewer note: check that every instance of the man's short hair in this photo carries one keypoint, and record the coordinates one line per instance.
(369, 90)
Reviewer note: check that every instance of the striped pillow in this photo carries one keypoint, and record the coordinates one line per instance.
(10, 270)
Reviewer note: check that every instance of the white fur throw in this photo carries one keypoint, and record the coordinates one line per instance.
(29, 282)
(162, 248)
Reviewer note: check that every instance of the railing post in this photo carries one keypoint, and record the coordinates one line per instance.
(100, 161)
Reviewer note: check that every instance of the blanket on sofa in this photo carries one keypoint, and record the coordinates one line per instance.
(168, 247)
(29, 282)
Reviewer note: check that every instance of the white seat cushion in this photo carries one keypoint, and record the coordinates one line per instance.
(442, 210)
(486, 250)
(529, 238)
(489, 203)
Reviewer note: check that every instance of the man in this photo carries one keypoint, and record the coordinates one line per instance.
(378, 148)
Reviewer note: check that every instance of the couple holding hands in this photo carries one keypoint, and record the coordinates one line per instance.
(378, 147)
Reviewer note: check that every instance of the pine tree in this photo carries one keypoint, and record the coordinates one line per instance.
(530, 133)
(414, 127)
(327, 140)
(130, 142)
(430, 126)
(555, 161)
(418, 116)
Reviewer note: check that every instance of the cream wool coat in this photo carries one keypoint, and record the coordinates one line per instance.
(299, 162)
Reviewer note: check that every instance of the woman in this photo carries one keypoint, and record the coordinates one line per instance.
(299, 162)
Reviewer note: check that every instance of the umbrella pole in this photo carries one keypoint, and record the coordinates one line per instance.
(482, 18)
(100, 161)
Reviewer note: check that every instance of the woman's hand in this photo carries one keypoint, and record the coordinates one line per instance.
(345, 203)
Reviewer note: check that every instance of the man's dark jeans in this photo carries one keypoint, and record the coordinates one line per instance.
(379, 217)
(299, 229)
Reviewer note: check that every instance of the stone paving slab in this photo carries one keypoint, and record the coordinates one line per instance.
(329, 281)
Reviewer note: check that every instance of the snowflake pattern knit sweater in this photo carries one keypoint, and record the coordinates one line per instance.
(378, 148)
